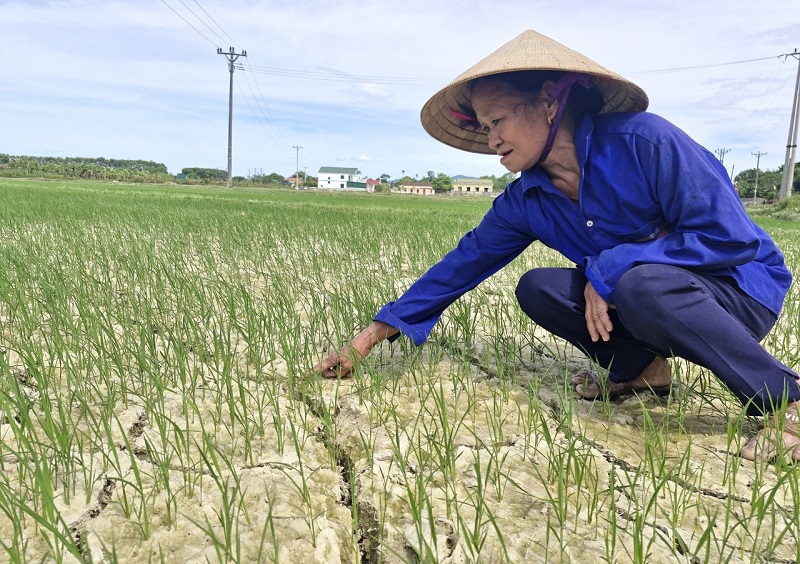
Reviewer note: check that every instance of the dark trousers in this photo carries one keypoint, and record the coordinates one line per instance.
(668, 311)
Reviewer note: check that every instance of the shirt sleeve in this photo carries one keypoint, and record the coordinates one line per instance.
(706, 225)
(499, 238)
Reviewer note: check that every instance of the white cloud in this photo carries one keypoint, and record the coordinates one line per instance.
(130, 79)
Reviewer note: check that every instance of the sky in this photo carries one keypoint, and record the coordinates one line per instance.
(344, 80)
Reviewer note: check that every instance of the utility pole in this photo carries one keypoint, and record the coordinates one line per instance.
(721, 154)
(231, 55)
(791, 144)
(296, 166)
(758, 161)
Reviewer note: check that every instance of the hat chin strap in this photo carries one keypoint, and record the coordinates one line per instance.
(560, 93)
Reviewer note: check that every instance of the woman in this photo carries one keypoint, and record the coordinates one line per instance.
(667, 261)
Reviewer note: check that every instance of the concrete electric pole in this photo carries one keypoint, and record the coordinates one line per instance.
(231, 55)
(758, 161)
(297, 166)
(721, 154)
(791, 144)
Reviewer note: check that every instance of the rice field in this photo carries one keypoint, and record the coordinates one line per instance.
(156, 403)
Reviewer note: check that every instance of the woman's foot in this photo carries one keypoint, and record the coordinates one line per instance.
(781, 436)
(656, 378)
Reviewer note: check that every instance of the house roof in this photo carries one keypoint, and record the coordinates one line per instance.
(473, 180)
(338, 170)
(418, 184)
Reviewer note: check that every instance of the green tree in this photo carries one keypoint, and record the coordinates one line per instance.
(499, 183)
(405, 180)
(206, 174)
(769, 183)
(442, 183)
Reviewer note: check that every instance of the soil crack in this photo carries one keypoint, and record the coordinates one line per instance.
(106, 493)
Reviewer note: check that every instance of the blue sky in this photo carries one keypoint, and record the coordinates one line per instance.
(345, 79)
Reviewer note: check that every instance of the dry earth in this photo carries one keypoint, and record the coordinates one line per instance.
(440, 461)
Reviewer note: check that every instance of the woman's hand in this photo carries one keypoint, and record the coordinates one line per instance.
(597, 321)
(342, 362)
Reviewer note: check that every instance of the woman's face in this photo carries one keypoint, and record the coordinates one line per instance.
(516, 124)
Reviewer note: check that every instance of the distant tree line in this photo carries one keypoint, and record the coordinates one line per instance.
(198, 175)
(98, 168)
(769, 183)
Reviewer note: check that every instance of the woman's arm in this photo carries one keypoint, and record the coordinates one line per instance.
(342, 362)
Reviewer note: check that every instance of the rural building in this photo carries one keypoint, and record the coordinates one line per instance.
(472, 187)
(339, 178)
(418, 188)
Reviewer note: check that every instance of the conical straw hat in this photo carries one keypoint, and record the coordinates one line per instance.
(528, 51)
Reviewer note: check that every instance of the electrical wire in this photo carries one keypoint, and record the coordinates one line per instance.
(275, 135)
(338, 76)
(697, 67)
(756, 123)
(208, 27)
(219, 26)
(748, 130)
(189, 23)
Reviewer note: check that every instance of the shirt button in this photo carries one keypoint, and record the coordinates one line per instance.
(589, 223)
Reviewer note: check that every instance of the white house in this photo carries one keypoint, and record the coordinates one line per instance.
(472, 187)
(339, 178)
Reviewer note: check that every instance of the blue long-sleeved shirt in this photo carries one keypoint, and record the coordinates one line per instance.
(648, 194)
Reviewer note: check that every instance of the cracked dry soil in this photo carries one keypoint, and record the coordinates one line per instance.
(440, 468)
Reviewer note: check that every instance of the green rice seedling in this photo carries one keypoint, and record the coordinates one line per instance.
(50, 524)
(474, 531)
(14, 548)
(208, 306)
(140, 503)
(37, 501)
(443, 433)
(495, 423)
(302, 484)
(269, 530)
(417, 481)
(278, 421)
(326, 411)
(163, 482)
(231, 506)
(612, 528)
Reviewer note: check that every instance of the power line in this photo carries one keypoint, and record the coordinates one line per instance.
(697, 67)
(338, 76)
(188, 23)
(216, 24)
(755, 120)
(208, 27)
(259, 99)
(275, 135)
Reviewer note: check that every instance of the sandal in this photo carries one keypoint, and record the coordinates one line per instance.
(590, 386)
(764, 445)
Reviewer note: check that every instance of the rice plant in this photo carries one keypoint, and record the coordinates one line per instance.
(156, 401)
